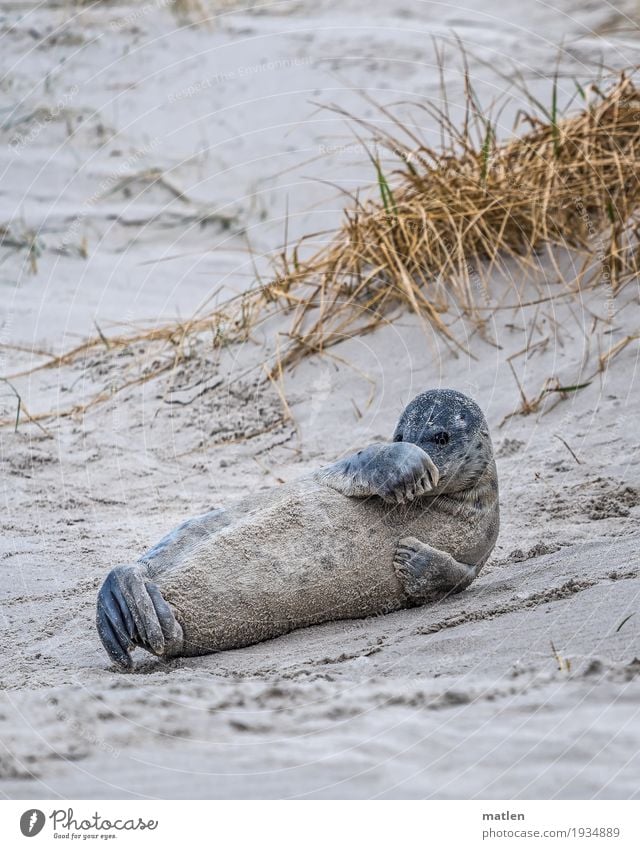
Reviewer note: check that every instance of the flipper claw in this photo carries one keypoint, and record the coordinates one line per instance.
(132, 612)
(396, 472)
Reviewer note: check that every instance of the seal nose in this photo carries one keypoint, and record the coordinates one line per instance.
(440, 438)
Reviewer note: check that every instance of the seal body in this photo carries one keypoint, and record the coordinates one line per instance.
(394, 525)
(310, 555)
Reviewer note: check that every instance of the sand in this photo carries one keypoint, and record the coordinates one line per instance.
(527, 685)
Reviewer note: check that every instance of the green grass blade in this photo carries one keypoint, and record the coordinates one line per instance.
(554, 117)
(386, 194)
(486, 151)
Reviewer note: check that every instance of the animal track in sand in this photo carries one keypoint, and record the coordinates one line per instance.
(519, 556)
(599, 498)
(509, 447)
(565, 590)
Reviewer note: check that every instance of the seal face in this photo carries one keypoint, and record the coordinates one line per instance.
(393, 525)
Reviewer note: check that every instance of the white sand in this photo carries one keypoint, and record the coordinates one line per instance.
(462, 699)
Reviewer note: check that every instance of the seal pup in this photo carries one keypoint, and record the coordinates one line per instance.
(392, 526)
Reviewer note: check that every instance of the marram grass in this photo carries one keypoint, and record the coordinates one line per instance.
(439, 226)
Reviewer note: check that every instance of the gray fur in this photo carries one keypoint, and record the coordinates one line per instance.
(389, 527)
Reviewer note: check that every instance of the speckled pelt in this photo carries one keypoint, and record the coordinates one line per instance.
(392, 526)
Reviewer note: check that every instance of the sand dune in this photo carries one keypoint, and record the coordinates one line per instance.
(525, 686)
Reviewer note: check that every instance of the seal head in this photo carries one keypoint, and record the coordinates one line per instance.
(453, 431)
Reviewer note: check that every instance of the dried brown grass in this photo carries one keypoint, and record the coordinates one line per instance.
(444, 220)
(453, 214)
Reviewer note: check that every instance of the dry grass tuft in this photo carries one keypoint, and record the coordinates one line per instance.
(21, 239)
(453, 214)
(203, 12)
(444, 220)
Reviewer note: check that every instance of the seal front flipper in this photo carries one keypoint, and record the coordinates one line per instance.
(427, 573)
(131, 612)
(397, 472)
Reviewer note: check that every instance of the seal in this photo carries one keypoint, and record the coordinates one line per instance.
(392, 526)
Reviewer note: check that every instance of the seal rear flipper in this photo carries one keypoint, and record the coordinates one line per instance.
(131, 612)
(396, 472)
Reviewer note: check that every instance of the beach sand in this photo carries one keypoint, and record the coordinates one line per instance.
(527, 685)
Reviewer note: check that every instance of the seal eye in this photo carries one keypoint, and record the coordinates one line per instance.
(440, 438)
